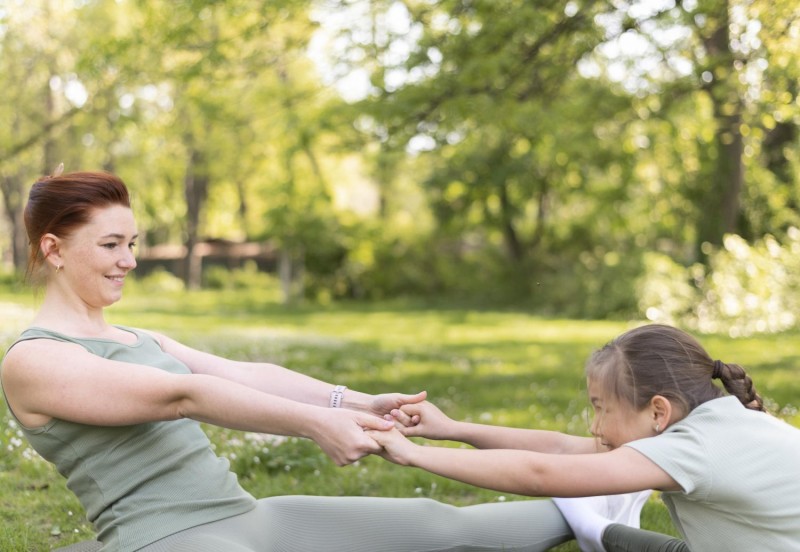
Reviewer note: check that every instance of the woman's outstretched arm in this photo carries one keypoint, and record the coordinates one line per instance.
(277, 380)
(45, 379)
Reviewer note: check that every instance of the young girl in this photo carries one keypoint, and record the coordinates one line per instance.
(729, 472)
(116, 409)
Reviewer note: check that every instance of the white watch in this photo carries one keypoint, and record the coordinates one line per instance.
(337, 396)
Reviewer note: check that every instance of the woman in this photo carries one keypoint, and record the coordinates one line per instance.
(729, 472)
(116, 409)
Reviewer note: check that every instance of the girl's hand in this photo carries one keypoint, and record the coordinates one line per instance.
(423, 419)
(396, 448)
(383, 405)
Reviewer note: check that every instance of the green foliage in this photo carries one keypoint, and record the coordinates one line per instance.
(246, 277)
(746, 289)
(504, 151)
(251, 454)
(158, 281)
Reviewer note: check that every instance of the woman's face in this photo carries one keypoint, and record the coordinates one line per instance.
(97, 257)
(615, 422)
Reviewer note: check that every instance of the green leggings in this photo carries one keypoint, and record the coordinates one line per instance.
(621, 538)
(353, 524)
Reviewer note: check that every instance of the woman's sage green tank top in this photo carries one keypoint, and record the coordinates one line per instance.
(142, 482)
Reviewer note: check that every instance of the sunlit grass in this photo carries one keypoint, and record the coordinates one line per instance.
(497, 367)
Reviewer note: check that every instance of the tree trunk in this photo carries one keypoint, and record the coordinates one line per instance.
(719, 207)
(13, 200)
(510, 235)
(195, 189)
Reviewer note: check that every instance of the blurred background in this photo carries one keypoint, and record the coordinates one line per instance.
(588, 159)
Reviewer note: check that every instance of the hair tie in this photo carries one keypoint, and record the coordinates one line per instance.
(716, 373)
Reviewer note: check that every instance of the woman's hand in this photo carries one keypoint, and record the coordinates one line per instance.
(423, 419)
(342, 434)
(395, 447)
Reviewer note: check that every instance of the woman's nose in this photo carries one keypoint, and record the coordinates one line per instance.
(128, 260)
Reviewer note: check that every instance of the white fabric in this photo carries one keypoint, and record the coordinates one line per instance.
(589, 516)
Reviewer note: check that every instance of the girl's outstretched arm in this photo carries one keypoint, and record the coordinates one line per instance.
(424, 419)
(529, 473)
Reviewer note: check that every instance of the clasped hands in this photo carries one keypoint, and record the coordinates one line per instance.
(382, 429)
(411, 419)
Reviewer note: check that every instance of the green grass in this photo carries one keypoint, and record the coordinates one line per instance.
(505, 367)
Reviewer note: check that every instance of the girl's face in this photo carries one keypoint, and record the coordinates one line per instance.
(615, 422)
(97, 256)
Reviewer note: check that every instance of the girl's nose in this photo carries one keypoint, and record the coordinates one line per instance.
(595, 427)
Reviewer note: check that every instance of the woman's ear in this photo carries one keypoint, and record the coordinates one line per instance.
(662, 411)
(50, 246)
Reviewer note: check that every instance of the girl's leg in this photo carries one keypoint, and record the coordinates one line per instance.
(351, 524)
(621, 538)
(590, 516)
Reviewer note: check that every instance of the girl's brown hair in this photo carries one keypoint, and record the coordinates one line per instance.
(662, 360)
(60, 204)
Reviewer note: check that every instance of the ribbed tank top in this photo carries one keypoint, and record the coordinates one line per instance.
(142, 482)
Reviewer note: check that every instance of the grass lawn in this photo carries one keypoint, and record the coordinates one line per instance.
(496, 367)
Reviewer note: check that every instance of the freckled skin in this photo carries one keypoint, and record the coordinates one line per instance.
(98, 256)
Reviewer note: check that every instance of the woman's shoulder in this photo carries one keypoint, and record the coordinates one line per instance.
(37, 332)
(36, 338)
(37, 347)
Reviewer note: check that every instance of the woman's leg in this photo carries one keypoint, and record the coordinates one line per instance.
(349, 524)
(363, 524)
(621, 538)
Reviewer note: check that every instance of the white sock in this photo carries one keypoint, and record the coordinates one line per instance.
(589, 516)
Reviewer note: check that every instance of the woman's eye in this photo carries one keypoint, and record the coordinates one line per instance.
(132, 245)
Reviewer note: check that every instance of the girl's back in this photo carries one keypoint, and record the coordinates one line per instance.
(740, 473)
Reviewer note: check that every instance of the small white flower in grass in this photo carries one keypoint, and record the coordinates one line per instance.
(501, 499)
(418, 490)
